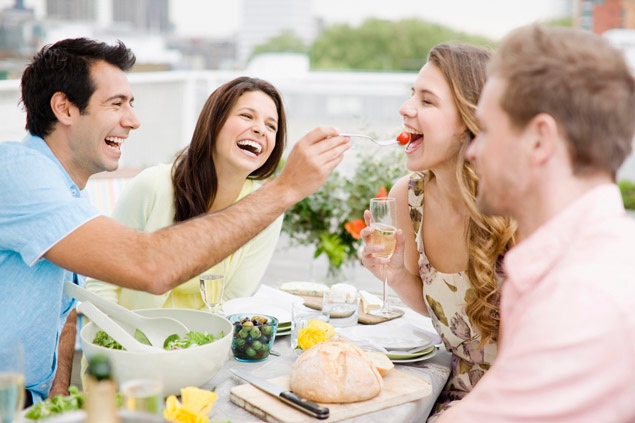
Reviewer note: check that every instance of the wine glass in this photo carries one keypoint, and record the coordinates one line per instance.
(11, 381)
(383, 218)
(212, 286)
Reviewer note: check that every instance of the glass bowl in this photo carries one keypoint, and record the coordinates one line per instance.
(253, 336)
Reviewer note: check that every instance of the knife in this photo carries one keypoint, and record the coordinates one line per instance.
(306, 406)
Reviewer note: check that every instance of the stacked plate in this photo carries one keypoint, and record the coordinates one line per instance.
(279, 309)
(402, 344)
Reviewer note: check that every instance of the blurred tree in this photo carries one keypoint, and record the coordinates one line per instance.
(383, 45)
(566, 22)
(285, 42)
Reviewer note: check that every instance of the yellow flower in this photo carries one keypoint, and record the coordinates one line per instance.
(184, 415)
(326, 327)
(196, 406)
(314, 333)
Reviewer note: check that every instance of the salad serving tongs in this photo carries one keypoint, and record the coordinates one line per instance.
(382, 143)
(156, 329)
(114, 329)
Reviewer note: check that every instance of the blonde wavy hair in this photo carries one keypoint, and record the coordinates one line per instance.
(487, 237)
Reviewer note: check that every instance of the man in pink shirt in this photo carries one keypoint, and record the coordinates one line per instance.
(557, 118)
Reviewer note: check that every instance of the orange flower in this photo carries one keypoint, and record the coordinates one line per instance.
(354, 228)
(382, 193)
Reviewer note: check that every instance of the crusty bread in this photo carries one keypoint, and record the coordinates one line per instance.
(381, 361)
(336, 371)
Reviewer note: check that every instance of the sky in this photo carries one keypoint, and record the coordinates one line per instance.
(492, 18)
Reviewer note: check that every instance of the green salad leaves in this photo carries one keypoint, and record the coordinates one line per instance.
(172, 342)
(61, 404)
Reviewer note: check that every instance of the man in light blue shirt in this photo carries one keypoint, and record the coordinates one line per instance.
(79, 112)
(41, 205)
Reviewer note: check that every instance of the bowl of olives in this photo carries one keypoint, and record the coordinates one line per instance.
(253, 336)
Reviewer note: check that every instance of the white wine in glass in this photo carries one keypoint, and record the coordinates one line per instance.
(383, 218)
(384, 235)
(11, 382)
(212, 286)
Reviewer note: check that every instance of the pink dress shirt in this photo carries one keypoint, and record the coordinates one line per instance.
(567, 347)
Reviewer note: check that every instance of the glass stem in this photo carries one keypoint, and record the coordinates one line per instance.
(385, 304)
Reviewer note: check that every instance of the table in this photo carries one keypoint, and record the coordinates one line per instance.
(436, 370)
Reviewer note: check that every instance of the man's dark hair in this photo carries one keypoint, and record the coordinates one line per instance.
(65, 67)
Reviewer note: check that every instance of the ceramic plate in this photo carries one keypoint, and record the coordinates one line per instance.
(393, 338)
(279, 309)
(283, 331)
(401, 355)
(419, 358)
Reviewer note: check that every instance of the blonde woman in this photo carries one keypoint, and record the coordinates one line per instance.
(446, 263)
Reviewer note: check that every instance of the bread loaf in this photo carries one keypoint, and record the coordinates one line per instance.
(381, 361)
(335, 371)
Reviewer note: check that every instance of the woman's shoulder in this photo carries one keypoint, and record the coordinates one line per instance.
(158, 170)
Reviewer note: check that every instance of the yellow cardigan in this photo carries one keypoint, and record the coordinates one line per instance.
(147, 204)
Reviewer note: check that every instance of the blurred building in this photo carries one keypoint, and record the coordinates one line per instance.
(599, 16)
(143, 15)
(262, 20)
(71, 10)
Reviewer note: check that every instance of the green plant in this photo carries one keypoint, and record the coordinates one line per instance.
(331, 218)
(627, 188)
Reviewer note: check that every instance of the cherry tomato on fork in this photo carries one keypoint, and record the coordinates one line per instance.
(403, 138)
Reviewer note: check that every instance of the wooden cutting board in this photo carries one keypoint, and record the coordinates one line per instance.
(399, 388)
(364, 318)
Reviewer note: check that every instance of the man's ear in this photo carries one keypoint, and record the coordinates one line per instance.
(61, 106)
(544, 138)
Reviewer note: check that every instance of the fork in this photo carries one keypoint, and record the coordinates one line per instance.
(382, 143)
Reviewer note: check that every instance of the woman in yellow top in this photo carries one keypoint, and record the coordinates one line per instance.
(238, 140)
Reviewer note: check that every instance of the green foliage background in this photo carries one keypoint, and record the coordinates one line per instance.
(383, 45)
(628, 194)
(319, 219)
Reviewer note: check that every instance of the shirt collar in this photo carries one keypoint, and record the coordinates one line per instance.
(530, 260)
(38, 144)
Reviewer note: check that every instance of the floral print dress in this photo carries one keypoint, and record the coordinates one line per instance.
(445, 298)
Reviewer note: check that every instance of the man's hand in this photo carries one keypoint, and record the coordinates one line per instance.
(311, 161)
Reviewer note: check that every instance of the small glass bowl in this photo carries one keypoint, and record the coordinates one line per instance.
(253, 336)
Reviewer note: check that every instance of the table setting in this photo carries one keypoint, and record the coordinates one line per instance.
(425, 371)
(265, 323)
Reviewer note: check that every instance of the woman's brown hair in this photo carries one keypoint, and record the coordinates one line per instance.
(194, 172)
(488, 237)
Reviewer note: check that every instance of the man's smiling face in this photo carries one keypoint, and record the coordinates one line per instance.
(96, 135)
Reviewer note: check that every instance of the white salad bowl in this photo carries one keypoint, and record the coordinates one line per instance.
(175, 369)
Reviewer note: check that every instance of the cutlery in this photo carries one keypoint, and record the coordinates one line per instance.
(113, 329)
(383, 143)
(157, 329)
(309, 407)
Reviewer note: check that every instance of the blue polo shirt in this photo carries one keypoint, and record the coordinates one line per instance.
(39, 206)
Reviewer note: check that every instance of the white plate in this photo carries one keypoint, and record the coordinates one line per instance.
(283, 332)
(393, 338)
(402, 355)
(420, 358)
(279, 309)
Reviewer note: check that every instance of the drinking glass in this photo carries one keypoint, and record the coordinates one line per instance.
(11, 381)
(212, 286)
(383, 218)
(143, 395)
